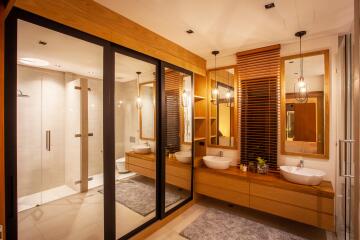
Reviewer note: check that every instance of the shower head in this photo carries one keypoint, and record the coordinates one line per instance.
(21, 94)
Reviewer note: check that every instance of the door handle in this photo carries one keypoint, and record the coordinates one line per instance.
(48, 140)
(344, 142)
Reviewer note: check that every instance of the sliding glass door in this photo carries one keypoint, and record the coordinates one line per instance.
(135, 142)
(177, 126)
(99, 138)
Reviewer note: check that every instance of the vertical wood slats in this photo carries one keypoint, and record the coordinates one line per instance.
(259, 104)
(173, 83)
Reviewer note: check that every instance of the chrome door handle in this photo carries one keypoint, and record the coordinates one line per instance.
(48, 140)
(345, 141)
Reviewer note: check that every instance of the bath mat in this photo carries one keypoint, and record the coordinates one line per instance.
(215, 224)
(139, 194)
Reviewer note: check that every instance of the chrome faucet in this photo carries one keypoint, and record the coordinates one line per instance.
(301, 164)
(221, 153)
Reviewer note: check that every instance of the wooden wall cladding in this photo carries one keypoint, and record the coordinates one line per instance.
(93, 18)
(259, 103)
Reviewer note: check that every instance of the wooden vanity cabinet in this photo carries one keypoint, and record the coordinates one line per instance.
(176, 173)
(313, 205)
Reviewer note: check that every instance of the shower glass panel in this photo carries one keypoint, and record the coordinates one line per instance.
(178, 128)
(135, 156)
(95, 136)
(59, 141)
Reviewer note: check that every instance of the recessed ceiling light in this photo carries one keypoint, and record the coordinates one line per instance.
(34, 62)
(295, 73)
(189, 31)
(42, 43)
(291, 62)
(269, 5)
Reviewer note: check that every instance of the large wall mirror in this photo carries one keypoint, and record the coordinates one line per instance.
(222, 107)
(305, 105)
(147, 112)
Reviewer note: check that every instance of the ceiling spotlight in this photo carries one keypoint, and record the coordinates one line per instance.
(42, 43)
(34, 62)
(269, 5)
(189, 31)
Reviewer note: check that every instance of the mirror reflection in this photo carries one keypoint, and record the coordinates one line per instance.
(135, 145)
(222, 121)
(147, 112)
(178, 144)
(304, 106)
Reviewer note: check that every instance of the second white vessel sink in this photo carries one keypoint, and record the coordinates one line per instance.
(183, 156)
(141, 148)
(217, 162)
(305, 176)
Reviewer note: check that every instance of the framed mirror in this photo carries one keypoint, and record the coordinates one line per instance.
(222, 112)
(305, 109)
(147, 112)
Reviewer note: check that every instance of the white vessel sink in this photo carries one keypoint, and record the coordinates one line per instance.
(305, 176)
(142, 148)
(216, 162)
(183, 156)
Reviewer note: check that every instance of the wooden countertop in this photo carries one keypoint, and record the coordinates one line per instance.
(325, 188)
(152, 157)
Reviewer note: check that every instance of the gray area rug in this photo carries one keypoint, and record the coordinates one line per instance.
(218, 225)
(139, 194)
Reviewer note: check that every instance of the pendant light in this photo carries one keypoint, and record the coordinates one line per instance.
(300, 87)
(138, 99)
(215, 90)
(228, 92)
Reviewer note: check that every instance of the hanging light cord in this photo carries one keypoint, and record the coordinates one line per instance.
(138, 84)
(301, 61)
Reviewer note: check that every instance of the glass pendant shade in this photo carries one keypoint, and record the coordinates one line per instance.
(300, 90)
(300, 87)
(228, 98)
(215, 90)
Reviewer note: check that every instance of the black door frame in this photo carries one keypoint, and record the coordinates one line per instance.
(162, 134)
(10, 118)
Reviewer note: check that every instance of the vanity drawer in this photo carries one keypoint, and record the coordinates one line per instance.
(223, 194)
(312, 202)
(141, 171)
(311, 217)
(180, 172)
(178, 182)
(223, 182)
(141, 162)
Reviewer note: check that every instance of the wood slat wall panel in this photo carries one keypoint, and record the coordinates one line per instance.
(173, 86)
(259, 103)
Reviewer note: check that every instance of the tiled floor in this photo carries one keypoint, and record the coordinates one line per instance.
(76, 217)
(80, 216)
(49, 195)
(171, 231)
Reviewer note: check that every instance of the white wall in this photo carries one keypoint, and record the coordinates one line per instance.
(331, 43)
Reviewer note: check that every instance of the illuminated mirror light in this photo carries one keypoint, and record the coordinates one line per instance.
(34, 62)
